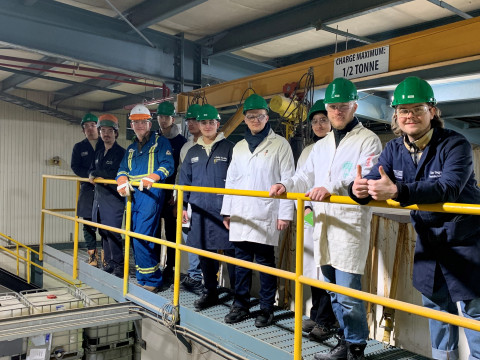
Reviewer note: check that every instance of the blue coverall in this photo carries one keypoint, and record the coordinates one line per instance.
(153, 157)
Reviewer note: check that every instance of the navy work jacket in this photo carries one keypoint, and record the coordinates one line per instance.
(107, 200)
(448, 245)
(207, 230)
(83, 155)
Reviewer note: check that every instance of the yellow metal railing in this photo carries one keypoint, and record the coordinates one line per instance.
(27, 260)
(298, 277)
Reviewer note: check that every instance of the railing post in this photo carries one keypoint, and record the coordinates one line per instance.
(176, 281)
(42, 220)
(297, 349)
(75, 237)
(126, 262)
(29, 266)
(18, 260)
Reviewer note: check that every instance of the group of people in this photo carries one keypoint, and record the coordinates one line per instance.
(424, 164)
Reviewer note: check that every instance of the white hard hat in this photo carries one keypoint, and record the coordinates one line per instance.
(140, 112)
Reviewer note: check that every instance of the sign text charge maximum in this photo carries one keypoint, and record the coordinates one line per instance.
(363, 63)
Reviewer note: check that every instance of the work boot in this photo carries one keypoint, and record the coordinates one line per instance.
(192, 285)
(308, 325)
(321, 333)
(264, 319)
(236, 315)
(118, 271)
(108, 267)
(150, 288)
(206, 301)
(168, 276)
(355, 351)
(339, 352)
(93, 258)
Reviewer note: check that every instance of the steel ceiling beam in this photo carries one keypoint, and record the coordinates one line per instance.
(57, 29)
(17, 80)
(82, 88)
(346, 34)
(291, 21)
(31, 105)
(65, 81)
(451, 8)
(153, 11)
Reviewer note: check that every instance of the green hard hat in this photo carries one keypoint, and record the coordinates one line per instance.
(317, 107)
(166, 108)
(192, 111)
(207, 112)
(254, 102)
(413, 90)
(89, 117)
(340, 90)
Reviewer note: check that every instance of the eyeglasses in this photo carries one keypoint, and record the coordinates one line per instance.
(251, 117)
(208, 122)
(416, 111)
(107, 130)
(322, 121)
(140, 122)
(340, 108)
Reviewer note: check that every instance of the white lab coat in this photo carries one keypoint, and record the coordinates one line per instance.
(255, 219)
(342, 232)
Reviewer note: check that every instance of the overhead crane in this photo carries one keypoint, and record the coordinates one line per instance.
(449, 49)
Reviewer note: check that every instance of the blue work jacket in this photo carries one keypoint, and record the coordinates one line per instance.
(199, 169)
(154, 157)
(448, 245)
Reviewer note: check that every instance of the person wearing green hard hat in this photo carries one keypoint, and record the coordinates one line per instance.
(193, 281)
(108, 205)
(83, 155)
(320, 325)
(259, 160)
(168, 128)
(206, 165)
(341, 232)
(428, 164)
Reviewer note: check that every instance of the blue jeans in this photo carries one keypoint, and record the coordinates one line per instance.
(194, 271)
(444, 336)
(350, 312)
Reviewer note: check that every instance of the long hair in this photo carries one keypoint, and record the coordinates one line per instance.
(436, 122)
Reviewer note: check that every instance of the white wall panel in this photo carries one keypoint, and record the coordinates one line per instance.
(28, 140)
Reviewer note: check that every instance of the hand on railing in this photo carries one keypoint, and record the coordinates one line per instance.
(277, 189)
(147, 181)
(124, 188)
(318, 194)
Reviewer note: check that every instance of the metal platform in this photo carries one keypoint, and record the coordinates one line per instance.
(272, 342)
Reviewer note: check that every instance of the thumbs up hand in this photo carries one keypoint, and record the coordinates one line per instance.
(360, 186)
(383, 188)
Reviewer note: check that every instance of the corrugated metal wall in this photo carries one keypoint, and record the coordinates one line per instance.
(28, 140)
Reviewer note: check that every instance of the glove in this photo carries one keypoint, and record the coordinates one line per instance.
(147, 181)
(124, 188)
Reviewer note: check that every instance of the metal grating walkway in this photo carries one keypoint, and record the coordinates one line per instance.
(273, 342)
